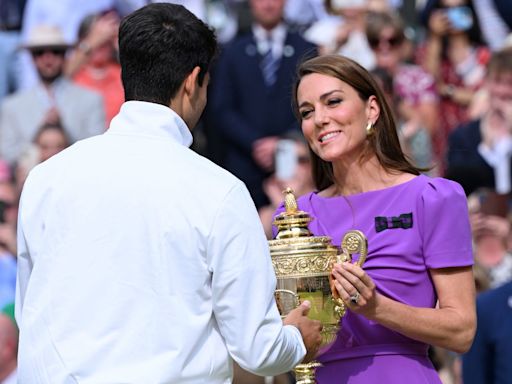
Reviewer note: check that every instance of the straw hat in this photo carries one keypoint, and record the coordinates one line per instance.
(46, 36)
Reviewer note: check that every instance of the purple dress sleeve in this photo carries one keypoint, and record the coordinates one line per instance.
(446, 230)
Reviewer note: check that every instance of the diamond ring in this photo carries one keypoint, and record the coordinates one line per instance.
(354, 298)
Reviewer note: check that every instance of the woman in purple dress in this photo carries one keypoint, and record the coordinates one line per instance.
(416, 288)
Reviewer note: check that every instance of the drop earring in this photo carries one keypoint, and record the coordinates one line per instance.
(369, 128)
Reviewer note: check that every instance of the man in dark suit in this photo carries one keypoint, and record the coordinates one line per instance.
(480, 152)
(488, 360)
(250, 95)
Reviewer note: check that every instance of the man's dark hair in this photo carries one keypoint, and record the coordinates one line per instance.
(159, 46)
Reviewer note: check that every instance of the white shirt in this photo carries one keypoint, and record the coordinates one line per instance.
(498, 157)
(142, 262)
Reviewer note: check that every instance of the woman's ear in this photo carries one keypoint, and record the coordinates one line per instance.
(372, 109)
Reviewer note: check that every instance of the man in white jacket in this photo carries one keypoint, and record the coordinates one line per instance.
(139, 260)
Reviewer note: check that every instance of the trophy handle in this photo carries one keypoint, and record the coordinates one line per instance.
(353, 242)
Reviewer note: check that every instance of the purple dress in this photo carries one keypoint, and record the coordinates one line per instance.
(411, 227)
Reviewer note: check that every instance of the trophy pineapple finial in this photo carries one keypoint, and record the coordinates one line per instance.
(292, 222)
(290, 202)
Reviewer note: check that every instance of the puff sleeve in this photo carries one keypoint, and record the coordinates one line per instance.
(445, 231)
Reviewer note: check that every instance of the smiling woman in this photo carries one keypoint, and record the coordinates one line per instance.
(417, 287)
(336, 92)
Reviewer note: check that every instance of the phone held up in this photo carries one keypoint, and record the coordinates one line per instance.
(286, 159)
(461, 18)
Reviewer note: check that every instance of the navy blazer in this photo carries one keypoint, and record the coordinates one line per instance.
(242, 109)
(489, 359)
(465, 164)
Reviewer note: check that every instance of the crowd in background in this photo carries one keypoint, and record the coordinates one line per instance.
(444, 65)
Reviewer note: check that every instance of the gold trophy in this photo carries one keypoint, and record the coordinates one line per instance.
(303, 265)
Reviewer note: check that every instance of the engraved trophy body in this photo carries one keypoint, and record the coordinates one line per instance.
(303, 264)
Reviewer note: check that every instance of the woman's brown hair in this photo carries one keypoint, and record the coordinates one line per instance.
(383, 141)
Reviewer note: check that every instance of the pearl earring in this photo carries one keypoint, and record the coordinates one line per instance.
(369, 129)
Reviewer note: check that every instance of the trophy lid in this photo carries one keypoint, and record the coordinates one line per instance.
(292, 222)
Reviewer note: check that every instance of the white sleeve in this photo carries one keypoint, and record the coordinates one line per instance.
(24, 266)
(243, 285)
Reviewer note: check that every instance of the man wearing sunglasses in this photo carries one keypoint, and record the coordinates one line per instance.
(53, 99)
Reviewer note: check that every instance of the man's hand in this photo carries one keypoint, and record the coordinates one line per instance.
(309, 329)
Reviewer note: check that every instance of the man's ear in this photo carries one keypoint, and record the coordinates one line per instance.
(191, 82)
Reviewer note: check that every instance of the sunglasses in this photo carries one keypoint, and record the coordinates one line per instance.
(394, 41)
(53, 51)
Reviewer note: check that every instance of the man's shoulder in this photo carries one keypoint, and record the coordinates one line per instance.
(214, 173)
(467, 131)
(238, 45)
(295, 37)
(70, 88)
(20, 98)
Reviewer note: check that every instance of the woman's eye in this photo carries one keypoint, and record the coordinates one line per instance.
(333, 101)
(305, 113)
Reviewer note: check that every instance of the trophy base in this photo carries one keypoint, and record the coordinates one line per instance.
(305, 373)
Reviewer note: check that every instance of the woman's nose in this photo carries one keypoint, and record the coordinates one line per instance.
(321, 117)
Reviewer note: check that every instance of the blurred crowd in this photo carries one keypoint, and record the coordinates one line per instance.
(445, 65)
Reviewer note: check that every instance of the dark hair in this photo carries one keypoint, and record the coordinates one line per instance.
(84, 28)
(159, 46)
(383, 142)
(377, 21)
(57, 126)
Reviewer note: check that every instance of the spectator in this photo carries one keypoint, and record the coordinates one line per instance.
(294, 171)
(480, 152)
(94, 65)
(50, 139)
(8, 213)
(456, 56)
(491, 232)
(54, 98)
(494, 18)
(11, 14)
(413, 93)
(65, 15)
(345, 33)
(488, 360)
(8, 346)
(250, 96)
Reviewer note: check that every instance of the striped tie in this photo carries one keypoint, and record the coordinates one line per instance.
(269, 66)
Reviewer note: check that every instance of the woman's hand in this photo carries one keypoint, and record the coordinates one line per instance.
(356, 288)
(438, 23)
(450, 325)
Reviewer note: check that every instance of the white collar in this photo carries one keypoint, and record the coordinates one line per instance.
(150, 119)
(276, 35)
